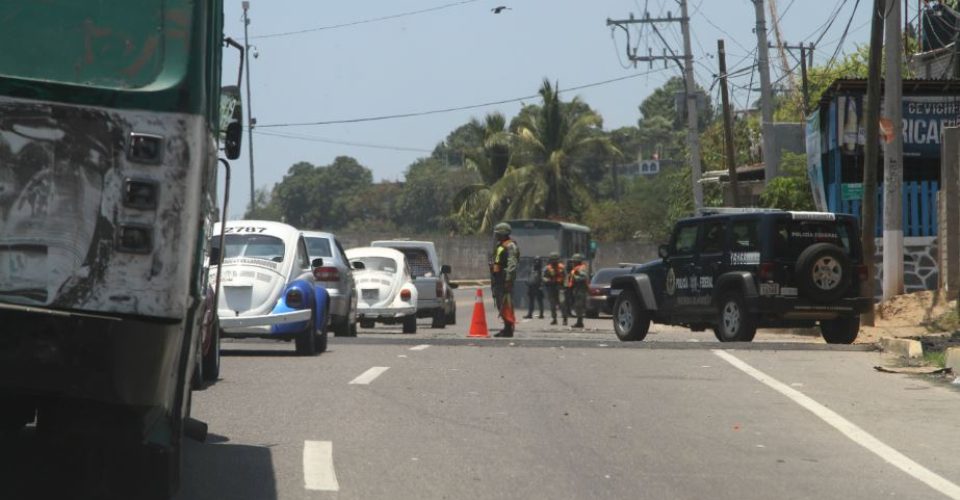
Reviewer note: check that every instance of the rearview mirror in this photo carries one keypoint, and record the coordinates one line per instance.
(358, 265)
(318, 262)
(231, 121)
(663, 251)
(445, 269)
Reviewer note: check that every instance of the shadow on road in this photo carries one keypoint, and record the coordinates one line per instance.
(259, 353)
(218, 469)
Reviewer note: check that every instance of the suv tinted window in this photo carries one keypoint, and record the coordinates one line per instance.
(685, 240)
(794, 236)
(714, 234)
(745, 237)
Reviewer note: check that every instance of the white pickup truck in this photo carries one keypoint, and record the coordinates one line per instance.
(435, 292)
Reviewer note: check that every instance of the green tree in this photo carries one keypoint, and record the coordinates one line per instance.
(312, 197)
(791, 190)
(426, 201)
(263, 207)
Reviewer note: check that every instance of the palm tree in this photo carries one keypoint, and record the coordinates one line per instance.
(554, 132)
(490, 160)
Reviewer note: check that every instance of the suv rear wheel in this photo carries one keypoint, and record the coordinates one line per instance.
(630, 320)
(823, 272)
(734, 323)
(840, 330)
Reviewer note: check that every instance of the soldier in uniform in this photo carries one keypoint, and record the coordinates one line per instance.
(579, 279)
(553, 277)
(534, 294)
(506, 257)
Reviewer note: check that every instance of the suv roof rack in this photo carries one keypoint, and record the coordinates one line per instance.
(731, 210)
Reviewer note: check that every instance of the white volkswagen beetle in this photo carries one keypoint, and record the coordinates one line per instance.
(385, 285)
(268, 288)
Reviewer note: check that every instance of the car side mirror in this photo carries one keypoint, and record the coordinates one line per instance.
(315, 263)
(233, 140)
(445, 269)
(357, 265)
(663, 251)
(231, 121)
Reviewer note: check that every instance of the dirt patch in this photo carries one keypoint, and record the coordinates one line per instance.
(910, 315)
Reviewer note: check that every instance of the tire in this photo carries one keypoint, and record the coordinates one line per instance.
(631, 321)
(439, 319)
(211, 360)
(841, 330)
(734, 323)
(410, 324)
(452, 316)
(823, 272)
(306, 340)
(320, 338)
(367, 323)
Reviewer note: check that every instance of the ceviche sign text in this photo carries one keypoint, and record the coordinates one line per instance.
(924, 118)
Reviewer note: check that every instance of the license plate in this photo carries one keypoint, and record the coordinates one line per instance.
(769, 288)
(369, 294)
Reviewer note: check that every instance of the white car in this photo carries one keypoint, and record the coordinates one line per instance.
(385, 285)
(268, 288)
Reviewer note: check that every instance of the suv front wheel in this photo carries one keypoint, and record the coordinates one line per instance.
(630, 320)
(840, 330)
(734, 323)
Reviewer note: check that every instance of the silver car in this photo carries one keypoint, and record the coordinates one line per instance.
(337, 276)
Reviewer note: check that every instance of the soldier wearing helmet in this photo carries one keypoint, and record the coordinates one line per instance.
(553, 275)
(578, 282)
(506, 257)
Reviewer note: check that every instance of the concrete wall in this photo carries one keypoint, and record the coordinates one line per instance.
(468, 256)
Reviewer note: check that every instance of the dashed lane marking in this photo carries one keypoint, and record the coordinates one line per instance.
(370, 375)
(420, 347)
(849, 429)
(318, 471)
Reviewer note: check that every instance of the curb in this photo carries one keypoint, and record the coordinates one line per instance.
(905, 348)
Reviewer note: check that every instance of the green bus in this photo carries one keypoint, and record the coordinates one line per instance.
(110, 143)
(537, 238)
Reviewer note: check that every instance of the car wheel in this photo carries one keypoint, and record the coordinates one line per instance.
(824, 272)
(366, 323)
(211, 359)
(410, 324)
(631, 321)
(439, 319)
(734, 323)
(306, 340)
(840, 330)
(320, 339)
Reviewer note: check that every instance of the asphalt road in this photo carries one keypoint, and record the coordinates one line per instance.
(558, 414)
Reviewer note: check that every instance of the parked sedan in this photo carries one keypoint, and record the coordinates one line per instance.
(599, 291)
(337, 276)
(387, 292)
(268, 287)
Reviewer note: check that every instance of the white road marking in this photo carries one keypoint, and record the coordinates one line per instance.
(369, 375)
(849, 429)
(419, 347)
(318, 471)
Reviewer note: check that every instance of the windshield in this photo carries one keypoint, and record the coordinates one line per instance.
(120, 44)
(318, 247)
(253, 246)
(537, 242)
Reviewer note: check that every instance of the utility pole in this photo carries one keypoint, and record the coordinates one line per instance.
(893, 158)
(690, 84)
(250, 120)
(871, 158)
(803, 48)
(771, 160)
(728, 125)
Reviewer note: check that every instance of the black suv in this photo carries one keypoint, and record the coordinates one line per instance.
(737, 270)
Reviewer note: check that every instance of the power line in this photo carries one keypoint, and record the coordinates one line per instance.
(366, 21)
(457, 108)
(843, 37)
(324, 140)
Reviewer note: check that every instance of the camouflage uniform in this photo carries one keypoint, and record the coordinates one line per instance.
(579, 281)
(506, 258)
(553, 277)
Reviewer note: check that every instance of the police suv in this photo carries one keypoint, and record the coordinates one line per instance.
(736, 270)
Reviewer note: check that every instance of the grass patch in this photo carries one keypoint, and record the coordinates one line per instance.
(946, 322)
(935, 358)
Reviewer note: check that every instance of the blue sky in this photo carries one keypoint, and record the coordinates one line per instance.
(463, 54)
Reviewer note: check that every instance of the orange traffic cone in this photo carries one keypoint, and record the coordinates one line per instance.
(478, 326)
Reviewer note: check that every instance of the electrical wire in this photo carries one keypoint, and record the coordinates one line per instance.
(843, 37)
(457, 108)
(339, 142)
(365, 21)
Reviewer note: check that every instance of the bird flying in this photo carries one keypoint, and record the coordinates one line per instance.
(497, 10)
